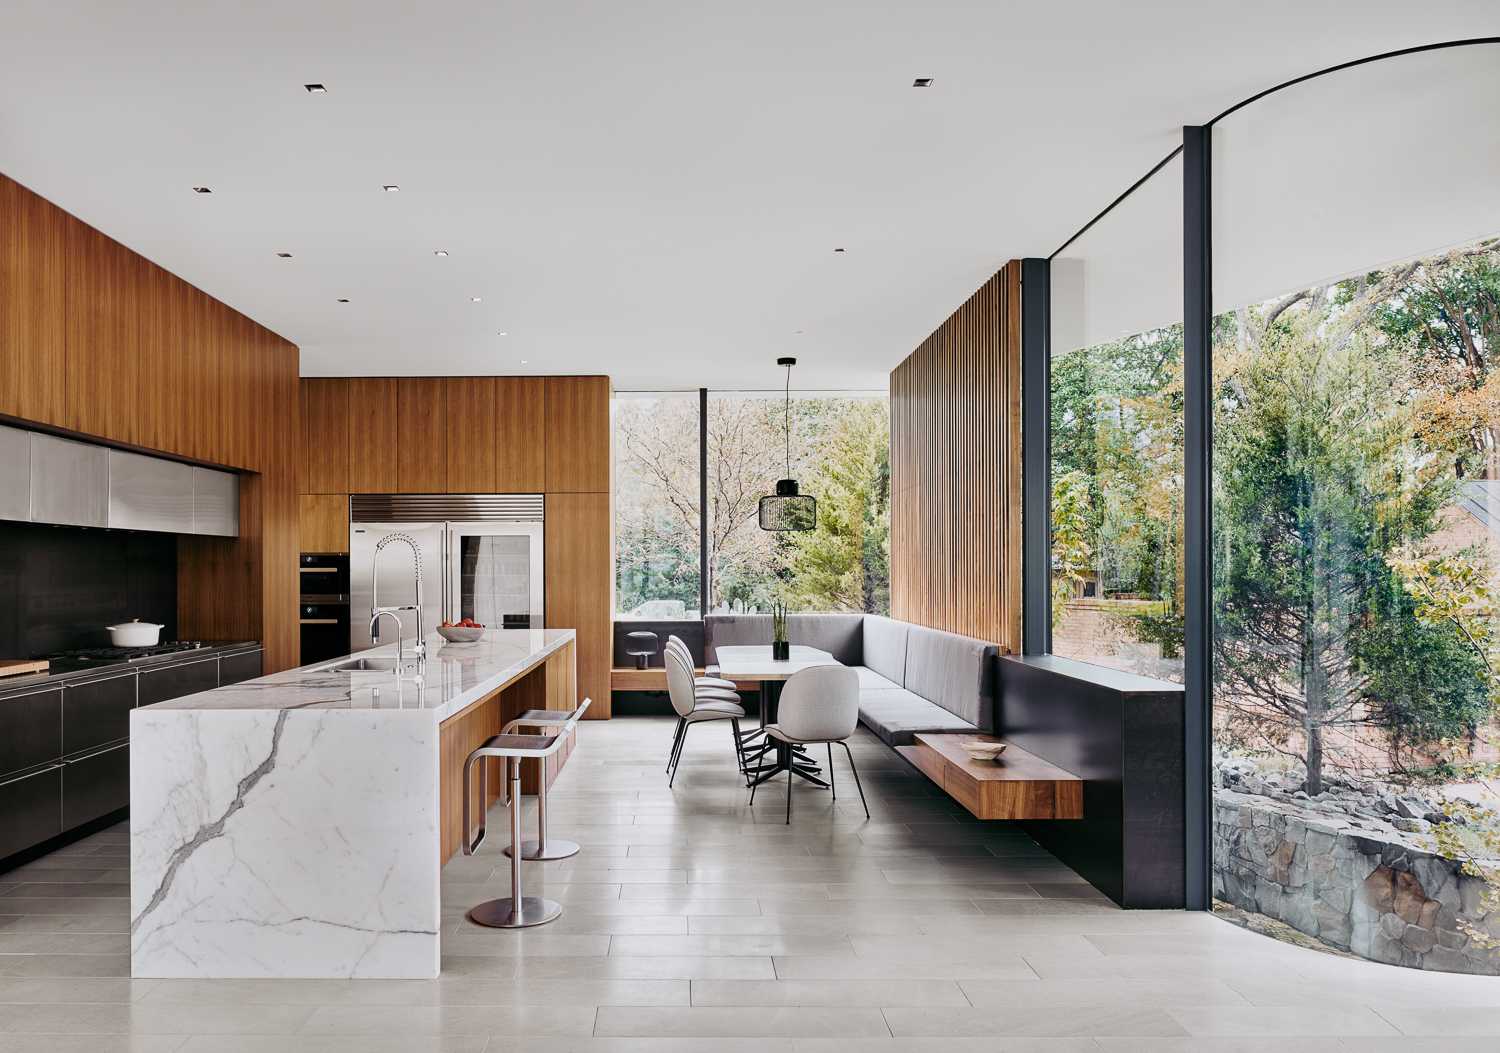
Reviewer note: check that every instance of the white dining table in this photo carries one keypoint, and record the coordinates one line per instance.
(754, 664)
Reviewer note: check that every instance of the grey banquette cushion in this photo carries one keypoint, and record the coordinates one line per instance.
(838, 634)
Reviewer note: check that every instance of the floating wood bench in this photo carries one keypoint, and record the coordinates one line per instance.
(1021, 786)
(629, 678)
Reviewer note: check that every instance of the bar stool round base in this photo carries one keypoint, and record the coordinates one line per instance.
(557, 848)
(497, 913)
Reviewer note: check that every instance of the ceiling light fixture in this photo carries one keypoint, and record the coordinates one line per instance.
(922, 82)
(390, 188)
(440, 252)
(475, 299)
(838, 250)
(284, 255)
(504, 333)
(523, 361)
(315, 89)
(202, 190)
(342, 300)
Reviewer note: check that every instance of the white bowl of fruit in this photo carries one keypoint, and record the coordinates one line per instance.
(466, 631)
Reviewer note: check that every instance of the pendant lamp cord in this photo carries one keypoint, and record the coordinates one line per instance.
(787, 421)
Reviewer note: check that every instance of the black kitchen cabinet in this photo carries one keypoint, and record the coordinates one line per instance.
(31, 807)
(30, 730)
(95, 785)
(160, 683)
(236, 668)
(97, 712)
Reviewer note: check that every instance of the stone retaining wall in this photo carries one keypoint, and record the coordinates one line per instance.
(1380, 899)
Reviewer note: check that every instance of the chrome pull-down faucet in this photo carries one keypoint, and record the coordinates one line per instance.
(419, 649)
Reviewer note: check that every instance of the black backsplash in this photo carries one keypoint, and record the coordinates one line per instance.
(61, 586)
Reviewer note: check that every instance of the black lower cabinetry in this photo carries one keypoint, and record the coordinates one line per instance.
(95, 785)
(65, 749)
(31, 809)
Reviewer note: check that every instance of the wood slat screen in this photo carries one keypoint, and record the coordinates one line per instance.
(956, 470)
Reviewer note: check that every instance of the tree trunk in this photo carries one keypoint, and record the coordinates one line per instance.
(1314, 760)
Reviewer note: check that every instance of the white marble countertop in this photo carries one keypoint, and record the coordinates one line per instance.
(454, 676)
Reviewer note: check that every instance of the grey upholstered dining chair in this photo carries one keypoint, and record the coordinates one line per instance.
(694, 705)
(820, 704)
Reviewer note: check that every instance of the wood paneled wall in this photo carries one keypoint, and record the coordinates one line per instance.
(547, 435)
(956, 470)
(99, 342)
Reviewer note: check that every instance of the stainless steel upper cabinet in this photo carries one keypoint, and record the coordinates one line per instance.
(69, 482)
(216, 503)
(148, 493)
(15, 473)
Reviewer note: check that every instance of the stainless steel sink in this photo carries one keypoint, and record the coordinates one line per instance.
(369, 665)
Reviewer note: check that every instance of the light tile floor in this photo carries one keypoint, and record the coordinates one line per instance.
(693, 922)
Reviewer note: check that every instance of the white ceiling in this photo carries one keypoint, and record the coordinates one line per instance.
(652, 190)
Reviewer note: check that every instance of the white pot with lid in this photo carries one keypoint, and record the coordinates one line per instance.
(135, 633)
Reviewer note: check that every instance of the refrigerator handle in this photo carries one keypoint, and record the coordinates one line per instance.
(446, 549)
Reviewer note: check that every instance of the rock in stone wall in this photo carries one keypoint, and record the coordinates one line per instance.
(1380, 899)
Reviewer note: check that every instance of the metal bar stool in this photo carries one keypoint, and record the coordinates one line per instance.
(516, 911)
(542, 849)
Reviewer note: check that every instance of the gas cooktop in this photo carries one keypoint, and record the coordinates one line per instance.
(71, 661)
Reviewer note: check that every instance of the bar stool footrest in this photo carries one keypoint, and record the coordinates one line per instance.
(557, 848)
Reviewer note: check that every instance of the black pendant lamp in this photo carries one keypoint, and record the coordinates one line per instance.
(786, 509)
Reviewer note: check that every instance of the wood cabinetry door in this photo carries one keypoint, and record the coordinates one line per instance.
(324, 467)
(470, 425)
(33, 348)
(323, 523)
(372, 436)
(580, 592)
(422, 435)
(521, 435)
(103, 279)
(578, 434)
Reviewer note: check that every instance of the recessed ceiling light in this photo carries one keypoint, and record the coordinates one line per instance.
(440, 252)
(202, 190)
(797, 333)
(504, 333)
(523, 361)
(390, 188)
(922, 82)
(284, 255)
(838, 250)
(315, 89)
(342, 300)
(475, 299)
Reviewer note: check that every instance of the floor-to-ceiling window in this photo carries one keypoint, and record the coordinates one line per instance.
(840, 454)
(1356, 510)
(656, 505)
(1116, 441)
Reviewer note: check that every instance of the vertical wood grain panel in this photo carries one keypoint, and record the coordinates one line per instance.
(521, 435)
(372, 436)
(579, 586)
(324, 461)
(323, 523)
(422, 435)
(33, 340)
(578, 435)
(955, 471)
(471, 422)
(103, 334)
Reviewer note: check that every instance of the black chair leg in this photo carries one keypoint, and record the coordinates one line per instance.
(676, 738)
(678, 758)
(739, 749)
(831, 786)
(855, 770)
(789, 795)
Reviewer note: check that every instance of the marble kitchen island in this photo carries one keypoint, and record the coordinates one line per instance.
(295, 825)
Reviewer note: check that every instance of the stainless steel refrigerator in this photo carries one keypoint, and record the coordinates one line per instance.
(481, 558)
